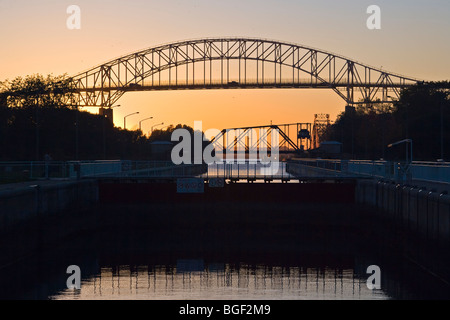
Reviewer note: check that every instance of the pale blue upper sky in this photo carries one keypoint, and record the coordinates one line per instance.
(414, 39)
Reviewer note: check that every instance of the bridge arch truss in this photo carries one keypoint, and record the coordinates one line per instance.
(233, 63)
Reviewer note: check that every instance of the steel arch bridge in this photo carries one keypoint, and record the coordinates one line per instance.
(233, 63)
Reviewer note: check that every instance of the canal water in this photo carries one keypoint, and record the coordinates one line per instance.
(222, 281)
(248, 170)
(219, 251)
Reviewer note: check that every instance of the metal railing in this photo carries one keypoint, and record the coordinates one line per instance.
(41, 170)
(166, 169)
(320, 168)
(18, 171)
(32, 170)
(248, 171)
(434, 171)
(438, 172)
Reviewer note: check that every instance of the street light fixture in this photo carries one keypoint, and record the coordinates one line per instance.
(159, 124)
(411, 148)
(140, 122)
(408, 158)
(441, 109)
(125, 119)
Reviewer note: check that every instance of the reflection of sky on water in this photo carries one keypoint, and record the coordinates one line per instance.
(217, 281)
(248, 170)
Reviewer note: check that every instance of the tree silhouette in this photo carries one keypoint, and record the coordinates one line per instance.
(417, 115)
(35, 120)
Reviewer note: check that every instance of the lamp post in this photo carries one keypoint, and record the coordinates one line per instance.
(140, 122)
(77, 131)
(159, 124)
(125, 119)
(37, 129)
(441, 107)
(408, 157)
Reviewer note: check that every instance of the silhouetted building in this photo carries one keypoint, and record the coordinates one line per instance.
(108, 113)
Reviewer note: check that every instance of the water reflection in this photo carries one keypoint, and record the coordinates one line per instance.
(248, 170)
(223, 281)
(222, 251)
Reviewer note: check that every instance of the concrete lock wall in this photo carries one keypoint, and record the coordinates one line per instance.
(24, 204)
(417, 210)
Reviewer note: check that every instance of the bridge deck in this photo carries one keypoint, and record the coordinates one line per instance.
(160, 86)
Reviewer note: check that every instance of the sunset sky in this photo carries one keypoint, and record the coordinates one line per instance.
(413, 41)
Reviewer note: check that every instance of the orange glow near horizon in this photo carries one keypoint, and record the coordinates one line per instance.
(220, 109)
(35, 39)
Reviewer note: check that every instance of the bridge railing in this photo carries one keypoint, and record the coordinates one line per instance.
(138, 169)
(431, 172)
(230, 83)
(376, 169)
(226, 170)
(438, 172)
(248, 170)
(39, 170)
(318, 168)
(18, 171)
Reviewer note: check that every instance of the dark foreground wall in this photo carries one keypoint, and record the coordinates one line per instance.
(27, 203)
(119, 192)
(43, 213)
(415, 210)
(417, 219)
